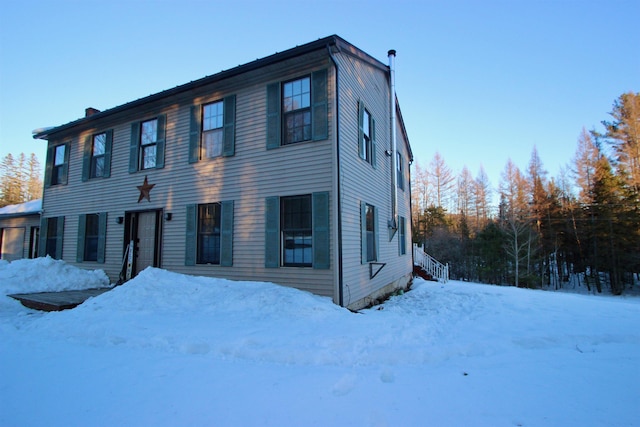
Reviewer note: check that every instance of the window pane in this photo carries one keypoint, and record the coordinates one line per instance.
(212, 116)
(59, 155)
(149, 132)
(212, 141)
(97, 167)
(149, 157)
(296, 94)
(99, 142)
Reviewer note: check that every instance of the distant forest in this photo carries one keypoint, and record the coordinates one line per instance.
(581, 228)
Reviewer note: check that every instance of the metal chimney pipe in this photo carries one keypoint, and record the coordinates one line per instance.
(393, 222)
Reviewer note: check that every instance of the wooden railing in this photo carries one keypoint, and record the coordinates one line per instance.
(430, 265)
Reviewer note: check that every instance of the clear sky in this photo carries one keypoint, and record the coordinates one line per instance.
(478, 81)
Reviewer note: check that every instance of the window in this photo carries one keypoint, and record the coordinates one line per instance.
(51, 232)
(371, 230)
(92, 230)
(366, 135)
(297, 110)
(57, 164)
(399, 171)
(402, 236)
(209, 234)
(209, 228)
(368, 232)
(297, 231)
(296, 103)
(97, 155)
(147, 145)
(96, 162)
(91, 238)
(212, 126)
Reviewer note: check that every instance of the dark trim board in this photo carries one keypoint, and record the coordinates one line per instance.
(57, 301)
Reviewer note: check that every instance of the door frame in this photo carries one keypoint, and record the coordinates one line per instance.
(131, 233)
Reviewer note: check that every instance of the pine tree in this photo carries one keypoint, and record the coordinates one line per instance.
(442, 181)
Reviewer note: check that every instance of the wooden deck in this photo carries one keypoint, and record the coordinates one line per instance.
(57, 301)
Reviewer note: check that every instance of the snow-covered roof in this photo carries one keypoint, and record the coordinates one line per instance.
(28, 208)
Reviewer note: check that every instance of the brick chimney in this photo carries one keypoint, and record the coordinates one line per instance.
(88, 112)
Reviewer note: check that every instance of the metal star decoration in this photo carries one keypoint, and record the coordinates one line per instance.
(145, 189)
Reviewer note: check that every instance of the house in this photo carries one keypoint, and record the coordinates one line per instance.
(292, 169)
(19, 230)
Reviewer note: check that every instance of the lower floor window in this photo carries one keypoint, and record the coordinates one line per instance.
(297, 231)
(209, 233)
(91, 237)
(53, 237)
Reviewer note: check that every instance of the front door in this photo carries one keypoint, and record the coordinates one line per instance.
(143, 230)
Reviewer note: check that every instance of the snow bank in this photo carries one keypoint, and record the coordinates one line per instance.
(169, 349)
(47, 274)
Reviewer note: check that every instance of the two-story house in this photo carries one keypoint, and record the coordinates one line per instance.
(292, 169)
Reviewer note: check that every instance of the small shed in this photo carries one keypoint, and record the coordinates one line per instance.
(20, 230)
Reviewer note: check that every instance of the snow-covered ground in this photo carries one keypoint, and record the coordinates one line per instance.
(171, 350)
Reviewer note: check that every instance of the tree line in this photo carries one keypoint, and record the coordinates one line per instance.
(20, 179)
(581, 228)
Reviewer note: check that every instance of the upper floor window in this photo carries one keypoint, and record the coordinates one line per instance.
(399, 171)
(296, 107)
(96, 162)
(148, 144)
(212, 129)
(97, 155)
(298, 110)
(366, 135)
(59, 165)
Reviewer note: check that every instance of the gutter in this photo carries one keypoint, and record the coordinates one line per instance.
(340, 278)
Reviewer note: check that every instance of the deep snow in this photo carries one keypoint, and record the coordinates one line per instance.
(171, 350)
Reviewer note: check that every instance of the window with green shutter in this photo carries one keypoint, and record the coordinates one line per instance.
(297, 110)
(297, 231)
(212, 129)
(366, 135)
(209, 234)
(51, 236)
(92, 230)
(57, 166)
(147, 145)
(97, 156)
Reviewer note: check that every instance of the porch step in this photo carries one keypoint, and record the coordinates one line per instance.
(417, 271)
(57, 301)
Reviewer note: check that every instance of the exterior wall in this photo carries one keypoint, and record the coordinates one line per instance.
(251, 175)
(17, 227)
(360, 182)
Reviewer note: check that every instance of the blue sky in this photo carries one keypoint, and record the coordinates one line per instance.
(478, 81)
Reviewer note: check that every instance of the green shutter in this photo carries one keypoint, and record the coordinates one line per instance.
(401, 236)
(134, 145)
(59, 237)
(272, 233)
(160, 142)
(42, 246)
(194, 134)
(373, 142)
(320, 221)
(82, 229)
(102, 236)
(361, 149)
(49, 166)
(191, 236)
(86, 158)
(363, 232)
(108, 146)
(65, 167)
(229, 132)
(319, 106)
(273, 116)
(226, 234)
